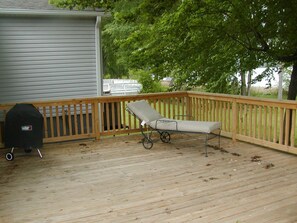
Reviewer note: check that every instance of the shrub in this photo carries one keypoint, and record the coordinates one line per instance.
(149, 85)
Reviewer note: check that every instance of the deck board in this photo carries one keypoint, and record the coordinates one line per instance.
(116, 180)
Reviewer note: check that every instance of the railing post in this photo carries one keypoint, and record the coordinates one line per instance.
(189, 107)
(96, 120)
(235, 120)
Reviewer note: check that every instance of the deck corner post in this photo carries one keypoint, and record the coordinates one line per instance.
(97, 120)
(235, 120)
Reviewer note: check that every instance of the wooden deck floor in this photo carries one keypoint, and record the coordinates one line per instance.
(116, 180)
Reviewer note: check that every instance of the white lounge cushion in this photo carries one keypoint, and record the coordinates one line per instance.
(150, 116)
(185, 126)
(144, 111)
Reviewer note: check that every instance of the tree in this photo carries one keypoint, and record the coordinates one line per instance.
(112, 67)
(204, 41)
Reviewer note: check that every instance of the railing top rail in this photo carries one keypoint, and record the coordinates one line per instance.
(246, 99)
(100, 99)
(143, 96)
(211, 96)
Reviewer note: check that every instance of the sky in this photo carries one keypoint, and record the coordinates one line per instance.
(263, 83)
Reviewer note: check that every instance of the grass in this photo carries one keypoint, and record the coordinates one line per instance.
(271, 93)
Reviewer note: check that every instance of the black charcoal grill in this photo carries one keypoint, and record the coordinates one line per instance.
(23, 129)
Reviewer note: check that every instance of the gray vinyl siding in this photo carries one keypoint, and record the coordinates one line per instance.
(47, 58)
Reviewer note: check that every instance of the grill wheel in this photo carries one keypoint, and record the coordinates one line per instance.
(9, 156)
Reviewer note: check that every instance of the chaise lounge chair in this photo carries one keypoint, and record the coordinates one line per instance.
(153, 120)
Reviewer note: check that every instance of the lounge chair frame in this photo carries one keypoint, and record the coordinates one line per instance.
(147, 131)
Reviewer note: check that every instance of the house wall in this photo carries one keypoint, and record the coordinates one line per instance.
(47, 58)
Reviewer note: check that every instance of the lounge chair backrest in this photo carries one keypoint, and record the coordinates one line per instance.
(144, 111)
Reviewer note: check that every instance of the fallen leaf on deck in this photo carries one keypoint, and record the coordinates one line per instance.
(235, 154)
(269, 165)
(256, 159)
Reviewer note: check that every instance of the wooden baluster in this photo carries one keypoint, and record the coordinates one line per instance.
(119, 115)
(275, 124)
(193, 106)
(270, 124)
(240, 118)
(154, 104)
(229, 117)
(260, 123)
(113, 121)
(124, 114)
(222, 113)
(107, 116)
(129, 120)
(255, 121)
(250, 119)
(63, 121)
(206, 109)
(293, 124)
(225, 115)
(98, 110)
(235, 119)
(75, 119)
(159, 106)
(69, 120)
(51, 121)
(81, 118)
(57, 121)
(173, 108)
(183, 107)
(265, 124)
(202, 109)
(245, 127)
(217, 118)
(287, 126)
(87, 119)
(281, 126)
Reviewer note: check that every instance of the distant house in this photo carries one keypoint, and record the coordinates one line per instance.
(48, 53)
(121, 87)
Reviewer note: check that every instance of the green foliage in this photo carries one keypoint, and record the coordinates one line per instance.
(114, 67)
(82, 4)
(149, 85)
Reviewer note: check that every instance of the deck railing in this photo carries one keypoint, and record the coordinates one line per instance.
(264, 122)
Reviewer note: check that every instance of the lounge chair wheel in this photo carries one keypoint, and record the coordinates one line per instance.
(147, 143)
(9, 156)
(165, 137)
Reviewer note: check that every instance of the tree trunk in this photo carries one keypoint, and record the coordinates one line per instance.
(249, 83)
(280, 83)
(243, 83)
(293, 84)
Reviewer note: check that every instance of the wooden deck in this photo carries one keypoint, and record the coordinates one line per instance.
(116, 180)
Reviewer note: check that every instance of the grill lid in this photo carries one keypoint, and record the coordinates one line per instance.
(23, 127)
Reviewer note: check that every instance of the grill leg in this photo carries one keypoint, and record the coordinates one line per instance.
(39, 153)
(206, 144)
(220, 140)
